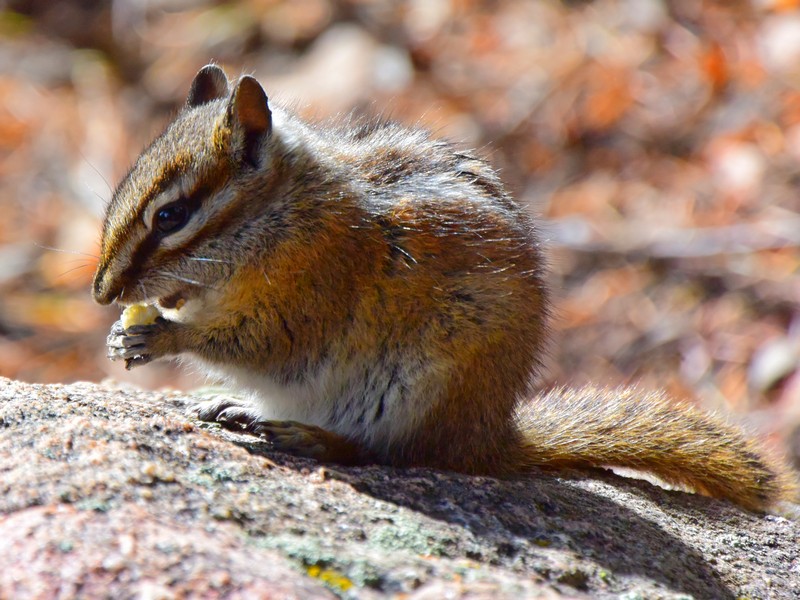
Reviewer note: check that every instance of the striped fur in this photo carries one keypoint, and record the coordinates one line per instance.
(380, 290)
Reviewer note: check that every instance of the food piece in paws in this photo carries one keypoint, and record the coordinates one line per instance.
(139, 314)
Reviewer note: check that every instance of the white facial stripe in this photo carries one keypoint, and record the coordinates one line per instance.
(198, 220)
(124, 254)
(172, 193)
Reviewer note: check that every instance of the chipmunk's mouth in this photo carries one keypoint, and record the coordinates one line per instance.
(173, 301)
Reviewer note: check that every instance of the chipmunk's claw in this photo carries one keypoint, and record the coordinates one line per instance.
(133, 345)
(236, 414)
(230, 412)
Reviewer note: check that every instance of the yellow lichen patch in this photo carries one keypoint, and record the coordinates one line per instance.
(139, 314)
(333, 579)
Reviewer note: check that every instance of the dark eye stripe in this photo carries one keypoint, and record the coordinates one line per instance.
(176, 169)
(191, 203)
(128, 222)
(114, 238)
(150, 243)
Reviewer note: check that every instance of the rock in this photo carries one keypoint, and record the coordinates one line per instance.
(118, 493)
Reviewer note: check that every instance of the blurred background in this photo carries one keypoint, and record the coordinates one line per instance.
(659, 140)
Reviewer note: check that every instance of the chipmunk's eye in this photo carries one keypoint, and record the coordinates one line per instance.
(171, 217)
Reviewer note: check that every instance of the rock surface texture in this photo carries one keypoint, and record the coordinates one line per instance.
(118, 493)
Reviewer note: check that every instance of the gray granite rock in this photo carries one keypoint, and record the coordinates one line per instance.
(117, 493)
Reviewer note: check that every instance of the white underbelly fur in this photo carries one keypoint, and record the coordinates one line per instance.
(311, 402)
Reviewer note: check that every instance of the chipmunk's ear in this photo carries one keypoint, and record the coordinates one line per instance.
(249, 117)
(209, 84)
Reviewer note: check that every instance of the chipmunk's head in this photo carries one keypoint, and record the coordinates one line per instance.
(184, 200)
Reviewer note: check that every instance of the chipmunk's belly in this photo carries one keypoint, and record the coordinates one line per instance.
(377, 406)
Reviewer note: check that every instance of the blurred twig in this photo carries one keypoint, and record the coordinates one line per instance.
(576, 233)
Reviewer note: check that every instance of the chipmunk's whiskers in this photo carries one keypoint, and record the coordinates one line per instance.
(216, 260)
(94, 256)
(68, 271)
(190, 281)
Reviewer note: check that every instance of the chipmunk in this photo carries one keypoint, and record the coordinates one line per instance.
(378, 297)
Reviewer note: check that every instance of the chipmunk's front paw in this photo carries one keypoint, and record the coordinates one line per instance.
(229, 411)
(139, 344)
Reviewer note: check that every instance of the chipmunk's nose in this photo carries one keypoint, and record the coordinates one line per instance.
(103, 292)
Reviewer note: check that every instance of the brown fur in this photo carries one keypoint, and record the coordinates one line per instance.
(383, 299)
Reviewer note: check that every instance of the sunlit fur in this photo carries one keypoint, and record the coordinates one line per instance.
(377, 283)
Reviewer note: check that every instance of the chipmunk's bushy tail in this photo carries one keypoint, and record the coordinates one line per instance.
(680, 444)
